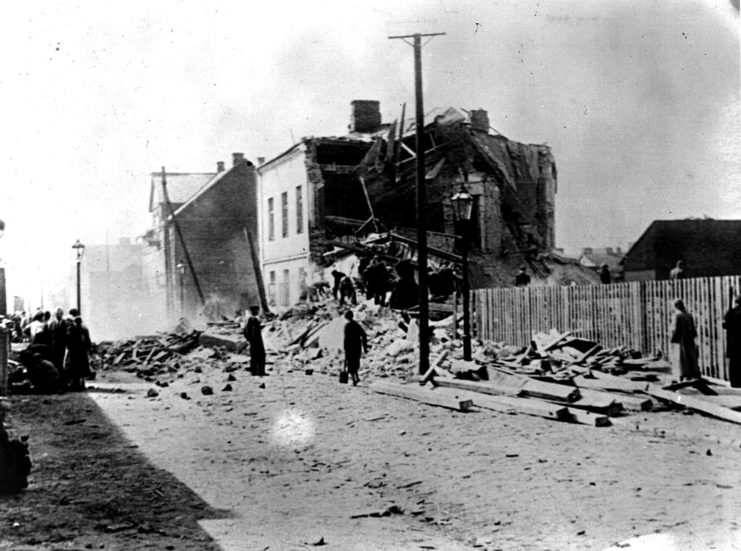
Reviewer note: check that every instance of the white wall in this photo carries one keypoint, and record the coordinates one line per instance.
(291, 252)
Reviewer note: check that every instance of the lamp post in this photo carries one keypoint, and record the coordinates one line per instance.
(462, 207)
(181, 270)
(80, 251)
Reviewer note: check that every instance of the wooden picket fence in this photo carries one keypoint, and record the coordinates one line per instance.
(635, 314)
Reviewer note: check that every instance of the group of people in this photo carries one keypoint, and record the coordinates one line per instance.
(58, 355)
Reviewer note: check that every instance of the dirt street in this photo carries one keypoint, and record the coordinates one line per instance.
(306, 461)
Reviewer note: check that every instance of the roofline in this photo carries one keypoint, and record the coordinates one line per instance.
(301, 142)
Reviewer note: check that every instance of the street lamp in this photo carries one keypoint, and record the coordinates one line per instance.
(462, 208)
(181, 270)
(80, 250)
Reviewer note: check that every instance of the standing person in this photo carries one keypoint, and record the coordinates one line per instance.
(684, 353)
(253, 334)
(347, 291)
(36, 326)
(58, 339)
(678, 271)
(732, 325)
(604, 274)
(79, 347)
(337, 276)
(356, 342)
(522, 279)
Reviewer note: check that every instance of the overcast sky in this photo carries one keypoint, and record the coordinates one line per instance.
(639, 100)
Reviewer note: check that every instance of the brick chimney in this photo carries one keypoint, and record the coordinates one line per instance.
(260, 161)
(238, 158)
(219, 166)
(480, 120)
(365, 115)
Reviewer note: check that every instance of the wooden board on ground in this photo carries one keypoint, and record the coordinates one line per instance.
(698, 404)
(588, 418)
(500, 383)
(632, 402)
(419, 394)
(609, 382)
(509, 404)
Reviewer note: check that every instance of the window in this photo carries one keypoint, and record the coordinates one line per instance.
(299, 210)
(271, 289)
(284, 213)
(284, 296)
(271, 220)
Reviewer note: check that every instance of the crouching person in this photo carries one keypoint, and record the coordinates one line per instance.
(356, 342)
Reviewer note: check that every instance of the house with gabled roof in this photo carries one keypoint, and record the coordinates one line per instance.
(206, 268)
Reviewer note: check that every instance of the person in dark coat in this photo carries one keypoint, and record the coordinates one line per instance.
(79, 347)
(604, 274)
(347, 291)
(732, 325)
(337, 277)
(684, 353)
(253, 334)
(522, 279)
(355, 343)
(405, 293)
(58, 328)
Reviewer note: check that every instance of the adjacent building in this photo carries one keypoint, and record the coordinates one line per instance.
(202, 265)
(707, 247)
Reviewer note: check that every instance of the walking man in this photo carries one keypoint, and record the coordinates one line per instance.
(732, 325)
(253, 334)
(356, 342)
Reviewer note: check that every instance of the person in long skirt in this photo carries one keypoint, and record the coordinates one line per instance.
(684, 349)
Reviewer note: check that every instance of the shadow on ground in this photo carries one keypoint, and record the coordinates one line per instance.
(91, 488)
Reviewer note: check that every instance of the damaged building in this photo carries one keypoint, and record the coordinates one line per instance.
(513, 184)
(300, 192)
(216, 216)
(330, 189)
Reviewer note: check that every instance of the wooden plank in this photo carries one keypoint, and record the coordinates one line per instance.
(632, 402)
(609, 382)
(510, 404)
(415, 392)
(588, 418)
(696, 404)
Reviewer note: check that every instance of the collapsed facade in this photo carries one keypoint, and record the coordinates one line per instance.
(324, 192)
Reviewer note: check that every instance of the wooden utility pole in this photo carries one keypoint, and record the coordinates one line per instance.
(180, 237)
(258, 272)
(424, 308)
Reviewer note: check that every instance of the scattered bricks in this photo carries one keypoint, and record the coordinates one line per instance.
(231, 378)
(207, 390)
(152, 393)
(227, 388)
(184, 396)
